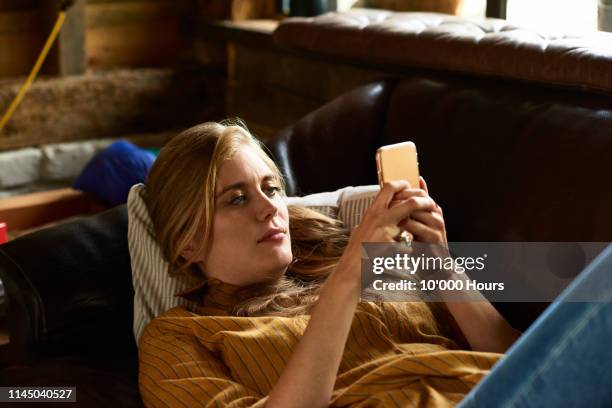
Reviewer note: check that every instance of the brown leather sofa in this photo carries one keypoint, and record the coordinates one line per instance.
(508, 160)
(433, 41)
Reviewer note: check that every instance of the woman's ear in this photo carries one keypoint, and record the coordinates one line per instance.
(191, 253)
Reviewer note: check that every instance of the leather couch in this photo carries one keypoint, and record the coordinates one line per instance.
(489, 47)
(507, 160)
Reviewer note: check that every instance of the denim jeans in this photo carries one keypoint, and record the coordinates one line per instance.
(565, 358)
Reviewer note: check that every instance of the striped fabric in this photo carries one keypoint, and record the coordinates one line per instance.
(353, 202)
(155, 289)
(396, 355)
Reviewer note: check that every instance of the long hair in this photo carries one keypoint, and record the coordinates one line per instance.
(180, 199)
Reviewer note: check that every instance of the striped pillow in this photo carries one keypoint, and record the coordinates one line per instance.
(352, 203)
(155, 288)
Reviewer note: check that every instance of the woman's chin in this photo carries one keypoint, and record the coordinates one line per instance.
(280, 255)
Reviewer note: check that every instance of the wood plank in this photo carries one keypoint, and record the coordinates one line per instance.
(255, 34)
(35, 209)
(255, 26)
(67, 56)
(20, 41)
(112, 14)
(267, 106)
(18, 53)
(312, 78)
(271, 88)
(253, 9)
(136, 33)
(21, 21)
(153, 43)
(127, 1)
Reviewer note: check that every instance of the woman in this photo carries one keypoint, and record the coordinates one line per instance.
(280, 322)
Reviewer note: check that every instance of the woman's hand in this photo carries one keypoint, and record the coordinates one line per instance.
(424, 226)
(395, 202)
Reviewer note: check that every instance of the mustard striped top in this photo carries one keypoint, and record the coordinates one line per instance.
(398, 354)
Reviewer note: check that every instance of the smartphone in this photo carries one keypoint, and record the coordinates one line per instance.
(398, 162)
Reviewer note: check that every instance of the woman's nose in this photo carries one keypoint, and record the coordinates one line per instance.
(266, 207)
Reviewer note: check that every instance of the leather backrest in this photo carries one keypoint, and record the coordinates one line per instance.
(69, 289)
(509, 161)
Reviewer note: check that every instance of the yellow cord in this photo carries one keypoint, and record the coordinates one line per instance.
(41, 58)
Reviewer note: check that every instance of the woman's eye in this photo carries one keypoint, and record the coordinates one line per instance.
(237, 200)
(241, 199)
(272, 190)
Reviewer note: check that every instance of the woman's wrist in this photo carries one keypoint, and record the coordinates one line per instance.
(347, 273)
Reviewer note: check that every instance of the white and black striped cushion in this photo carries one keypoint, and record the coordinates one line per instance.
(154, 288)
(353, 202)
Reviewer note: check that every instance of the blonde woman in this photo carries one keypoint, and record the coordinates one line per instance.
(280, 323)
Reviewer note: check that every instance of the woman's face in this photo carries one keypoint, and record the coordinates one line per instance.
(250, 238)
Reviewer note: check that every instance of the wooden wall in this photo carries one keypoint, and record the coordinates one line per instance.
(20, 39)
(140, 33)
(120, 33)
(135, 33)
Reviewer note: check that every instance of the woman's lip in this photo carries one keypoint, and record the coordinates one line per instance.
(278, 236)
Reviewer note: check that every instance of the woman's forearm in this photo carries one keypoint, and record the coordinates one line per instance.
(310, 374)
(482, 325)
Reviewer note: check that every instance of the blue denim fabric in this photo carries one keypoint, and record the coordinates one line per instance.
(565, 358)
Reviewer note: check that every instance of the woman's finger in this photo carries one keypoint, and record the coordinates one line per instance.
(404, 195)
(409, 192)
(422, 232)
(432, 219)
(389, 189)
(423, 184)
(403, 209)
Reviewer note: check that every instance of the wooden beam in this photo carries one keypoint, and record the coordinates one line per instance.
(67, 57)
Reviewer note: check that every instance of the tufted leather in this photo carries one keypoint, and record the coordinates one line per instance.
(489, 47)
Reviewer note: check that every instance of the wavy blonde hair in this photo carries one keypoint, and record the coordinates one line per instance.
(180, 198)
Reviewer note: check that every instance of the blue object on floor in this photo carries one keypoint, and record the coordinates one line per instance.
(111, 173)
